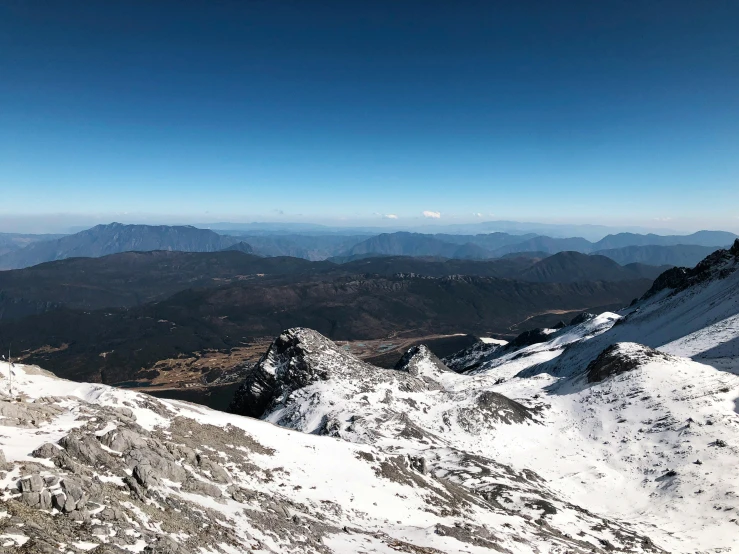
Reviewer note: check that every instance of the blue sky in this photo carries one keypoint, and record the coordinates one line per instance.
(600, 112)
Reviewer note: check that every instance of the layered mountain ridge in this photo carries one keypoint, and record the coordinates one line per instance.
(19, 251)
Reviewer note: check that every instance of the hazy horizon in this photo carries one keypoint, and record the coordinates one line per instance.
(69, 224)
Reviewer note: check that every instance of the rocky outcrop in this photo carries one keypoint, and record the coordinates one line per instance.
(297, 358)
(472, 357)
(527, 338)
(718, 265)
(419, 361)
(581, 318)
(620, 358)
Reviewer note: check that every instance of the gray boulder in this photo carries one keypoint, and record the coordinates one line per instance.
(217, 472)
(123, 439)
(46, 450)
(75, 495)
(32, 499)
(45, 500)
(32, 483)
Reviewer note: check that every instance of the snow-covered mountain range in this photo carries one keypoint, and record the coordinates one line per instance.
(615, 433)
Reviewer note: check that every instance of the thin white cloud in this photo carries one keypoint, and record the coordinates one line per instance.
(477, 214)
(663, 219)
(389, 216)
(431, 215)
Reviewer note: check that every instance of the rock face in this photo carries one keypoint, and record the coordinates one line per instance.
(581, 318)
(527, 338)
(419, 361)
(620, 358)
(473, 356)
(297, 358)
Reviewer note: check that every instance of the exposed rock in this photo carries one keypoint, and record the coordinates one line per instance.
(46, 450)
(164, 545)
(289, 364)
(32, 483)
(472, 357)
(123, 439)
(45, 500)
(581, 318)
(620, 358)
(75, 495)
(32, 499)
(51, 481)
(718, 265)
(218, 474)
(502, 408)
(58, 501)
(419, 361)
(527, 338)
(85, 448)
(201, 487)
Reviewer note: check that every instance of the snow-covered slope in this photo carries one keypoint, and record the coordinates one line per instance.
(642, 436)
(91, 468)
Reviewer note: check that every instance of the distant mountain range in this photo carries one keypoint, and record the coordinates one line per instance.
(672, 249)
(309, 246)
(683, 255)
(10, 242)
(27, 250)
(102, 240)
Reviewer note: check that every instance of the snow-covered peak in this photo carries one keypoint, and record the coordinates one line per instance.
(419, 361)
(297, 358)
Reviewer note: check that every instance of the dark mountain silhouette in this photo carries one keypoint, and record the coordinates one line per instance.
(647, 271)
(115, 237)
(112, 345)
(133, 278)
(437, 267)
(570, 267)
(548, 245)
(490, 241)
(240, 247)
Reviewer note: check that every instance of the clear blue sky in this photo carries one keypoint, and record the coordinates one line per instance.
(592, 111)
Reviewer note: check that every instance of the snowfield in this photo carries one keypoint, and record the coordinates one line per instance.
(617, 433)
